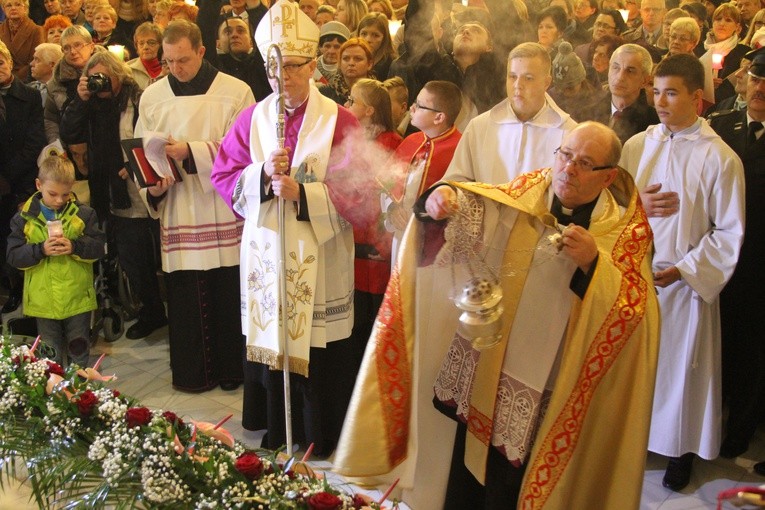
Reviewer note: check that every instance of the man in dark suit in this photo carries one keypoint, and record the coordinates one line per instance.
(625, 108)
(743, 299)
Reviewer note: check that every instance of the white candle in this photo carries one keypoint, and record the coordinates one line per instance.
(118, 51)
(717, 61)
(393, 26)
(625, 14)
(190, 2)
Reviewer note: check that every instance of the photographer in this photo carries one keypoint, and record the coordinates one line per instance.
(104, 112)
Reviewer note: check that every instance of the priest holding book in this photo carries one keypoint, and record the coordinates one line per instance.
(195, 105)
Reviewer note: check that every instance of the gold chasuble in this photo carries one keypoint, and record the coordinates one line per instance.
(590, 447)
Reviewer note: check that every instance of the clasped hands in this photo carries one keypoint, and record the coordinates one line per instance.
(54, 246)
(576, 242)
(276, 167)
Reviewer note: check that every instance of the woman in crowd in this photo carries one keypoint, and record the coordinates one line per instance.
(89, 7)
(324, 14)
(107, 34)
(130, 14)
(62, 88)
(355, 64)
(607, 23)
(684, 35)
(723, 39)
(599, 58)
(551, 25)
(571, 89)
(52, 7)
(101, 120)
(151, 9)
(183, 11)
(383, 7)
(54, 27)
(757, 25)
(20, 35)
(663, 42)
(147, 66)
(373, 28)
(699, 14)
(161, 13)
(332, 36)
(350, 12)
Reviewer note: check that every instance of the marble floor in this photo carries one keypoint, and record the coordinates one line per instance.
(143, 371)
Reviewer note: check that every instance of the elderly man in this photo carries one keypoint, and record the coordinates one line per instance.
(625, 108)
(692, 186)
(194, 107)
(250, 173)
(515, 136)
(309, 8)
(238, 58)
(649, 32)
(742, 346)
(548, 392)
(46, 56)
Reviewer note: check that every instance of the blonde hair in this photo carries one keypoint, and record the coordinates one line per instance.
(105, 7)
(57, 169)
(397, 89)
(758, 16)
(375, 95)
(6, 53)
(355, 10)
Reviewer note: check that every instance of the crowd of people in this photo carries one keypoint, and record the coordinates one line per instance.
(632, 131)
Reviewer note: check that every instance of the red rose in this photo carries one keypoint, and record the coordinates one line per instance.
(87, 402)
(115, 393)
(250, 465)
(359, 501)
(324, 501)
(173, 418)
(55, 368)
(137, 416)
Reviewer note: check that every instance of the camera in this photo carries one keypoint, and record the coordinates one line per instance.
(99, 82)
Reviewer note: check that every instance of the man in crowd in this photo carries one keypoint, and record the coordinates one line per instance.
(309, 8)
(743, 351)
(238, 58)
(593, 426)
(427, 153)
(72, 9)
(693, 191)
(251, 174)
(748, 9)
(649, 32)
(46, 56)
(199, 234)
(624, 108)
(516, 135)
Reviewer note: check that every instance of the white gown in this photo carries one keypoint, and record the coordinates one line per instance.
(703, 241)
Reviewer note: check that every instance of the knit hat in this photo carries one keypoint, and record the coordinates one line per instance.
(287, 26)
(567, 67)
(334, 28)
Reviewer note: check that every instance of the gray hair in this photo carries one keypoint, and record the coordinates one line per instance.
(689, 25)
(76, 31)
(646, 63)
(49, 52)
(117, 69)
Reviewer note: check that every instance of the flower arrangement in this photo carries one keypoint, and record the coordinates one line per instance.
(85, 445)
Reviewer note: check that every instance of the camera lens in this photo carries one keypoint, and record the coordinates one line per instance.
(99, 82)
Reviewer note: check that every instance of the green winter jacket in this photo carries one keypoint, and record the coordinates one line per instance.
(56, 287)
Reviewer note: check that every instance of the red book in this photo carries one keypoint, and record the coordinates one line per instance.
(140, 167)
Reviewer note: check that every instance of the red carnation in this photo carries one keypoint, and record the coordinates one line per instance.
(86, 402)
(55, 368)
(173, 418)
(137, 416)
(324, 501)
(250, 465)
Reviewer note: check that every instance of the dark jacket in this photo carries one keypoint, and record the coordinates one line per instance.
(22, 137)
(633, 120)
(250, 69)
(98, 122)
(731, 63)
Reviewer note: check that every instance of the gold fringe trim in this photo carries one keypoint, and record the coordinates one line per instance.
(275, 361)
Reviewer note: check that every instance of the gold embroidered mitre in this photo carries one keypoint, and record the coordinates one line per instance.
(287, 26)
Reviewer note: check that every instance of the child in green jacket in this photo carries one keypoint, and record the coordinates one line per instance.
(55, 240)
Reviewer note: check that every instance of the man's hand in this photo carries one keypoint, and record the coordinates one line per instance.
(659, 204)
(666, 277)
(278, 162)
(82, 88)
(286, 187)
(442, 203)
(161, 187)
(177, 150)
(580, 246)
(123, 173)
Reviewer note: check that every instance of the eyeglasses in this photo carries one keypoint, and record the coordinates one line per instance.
(351, 101)
(70, 48)
(679, 38)
(600, 24)
(292, 68)
(150, 42)
(566, 158)
(418, 106)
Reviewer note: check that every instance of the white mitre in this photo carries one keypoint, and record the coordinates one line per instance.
(286, 25)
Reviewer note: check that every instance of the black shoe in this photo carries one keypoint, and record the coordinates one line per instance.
(678, 474)
(759, 468)
(733, 447)
(12, 304)
(142, 329)
(230, 385)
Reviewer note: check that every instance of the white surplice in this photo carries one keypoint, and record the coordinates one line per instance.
(702, 240)
(198, 230)
(496, 147)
